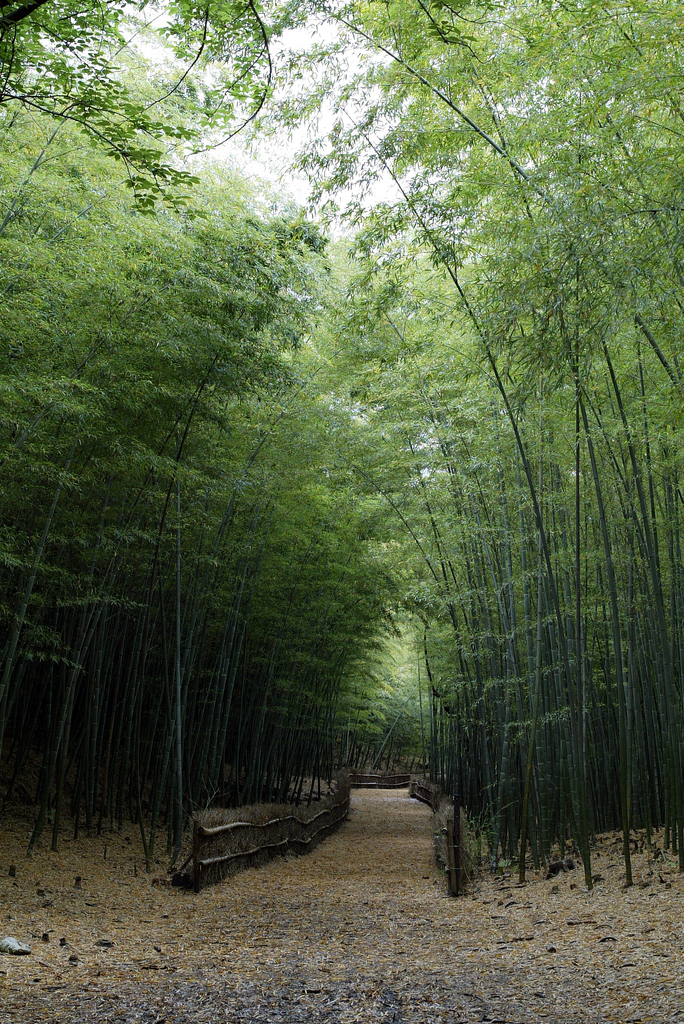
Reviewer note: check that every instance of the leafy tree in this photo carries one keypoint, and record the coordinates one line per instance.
(76, 64)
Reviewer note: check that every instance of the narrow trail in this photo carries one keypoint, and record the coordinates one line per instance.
(361, 929)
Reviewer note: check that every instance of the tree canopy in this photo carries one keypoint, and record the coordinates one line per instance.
(147, 84)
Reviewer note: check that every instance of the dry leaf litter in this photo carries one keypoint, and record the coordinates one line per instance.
(361, 929)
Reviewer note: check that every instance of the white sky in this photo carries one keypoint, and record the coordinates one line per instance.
(271, 157)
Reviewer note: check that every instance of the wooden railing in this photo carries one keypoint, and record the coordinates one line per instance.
(451, 832)
(425, 792)
(203, 836)
(370, 780)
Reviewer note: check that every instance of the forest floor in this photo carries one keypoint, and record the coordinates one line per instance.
(361, 929)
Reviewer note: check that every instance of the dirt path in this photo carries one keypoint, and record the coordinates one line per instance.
(359, 930)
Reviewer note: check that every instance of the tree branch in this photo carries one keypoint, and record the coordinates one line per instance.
(7, 20)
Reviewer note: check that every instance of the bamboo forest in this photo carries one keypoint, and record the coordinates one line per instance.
(386, 478)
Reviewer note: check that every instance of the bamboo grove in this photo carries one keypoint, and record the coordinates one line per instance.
(187, 584)
(516, 352)
(239, 464)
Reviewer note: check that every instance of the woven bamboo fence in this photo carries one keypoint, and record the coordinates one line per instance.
(426, 791)
(378, 780)
(219, 850)
(449, 820)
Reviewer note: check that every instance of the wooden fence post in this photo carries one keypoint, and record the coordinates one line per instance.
(450, 867)
(196, 866)
(456, 873)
